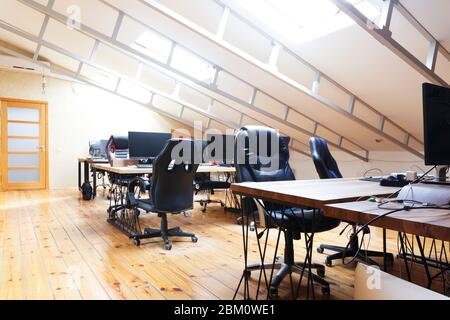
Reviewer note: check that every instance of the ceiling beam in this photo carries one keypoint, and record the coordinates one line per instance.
(10, 50)
(384, 36)
(290, 82)
(187, 79)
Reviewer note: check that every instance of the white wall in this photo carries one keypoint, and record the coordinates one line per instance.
(77, 116)
(386, 161)
(80, 114)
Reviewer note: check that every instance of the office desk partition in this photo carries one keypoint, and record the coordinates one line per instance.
(307, 193)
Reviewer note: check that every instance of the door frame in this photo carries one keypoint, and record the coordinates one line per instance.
(4, 156)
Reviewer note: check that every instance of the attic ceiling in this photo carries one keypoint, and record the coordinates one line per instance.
(193, 62)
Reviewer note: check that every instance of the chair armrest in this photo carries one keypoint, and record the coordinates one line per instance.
(142, 184)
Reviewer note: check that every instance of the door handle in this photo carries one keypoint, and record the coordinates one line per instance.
(42, 148)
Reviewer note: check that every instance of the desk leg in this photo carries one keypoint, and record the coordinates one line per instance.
(384, 251)
(86, 172)
(94, 191)
(79, 175)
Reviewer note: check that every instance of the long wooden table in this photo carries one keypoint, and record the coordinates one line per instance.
(312, 193)
(142, 171)
(430, 223)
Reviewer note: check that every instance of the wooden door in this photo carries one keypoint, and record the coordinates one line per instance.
(24, 145)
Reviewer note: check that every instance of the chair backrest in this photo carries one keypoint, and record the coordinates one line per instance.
(172, 188)
(324, 162)
(252, 165)
(117, 147)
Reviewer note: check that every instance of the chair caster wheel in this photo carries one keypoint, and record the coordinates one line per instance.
(194, 239)
(321, 272)
(328, 263)
(168, 246)
(201, 203)
(320, 250)
(137, 242)
(273, 292)
(222, 205)
(326, 291)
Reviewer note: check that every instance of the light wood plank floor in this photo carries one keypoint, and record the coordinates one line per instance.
(53, 245)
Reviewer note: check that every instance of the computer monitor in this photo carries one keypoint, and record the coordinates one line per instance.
(224, 155)
(103, 144)
(436, 119)
(146, 145)
(436, 125)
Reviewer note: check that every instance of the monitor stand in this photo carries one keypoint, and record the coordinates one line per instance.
(441, 174)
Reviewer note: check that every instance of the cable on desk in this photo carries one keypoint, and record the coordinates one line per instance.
(405, 208)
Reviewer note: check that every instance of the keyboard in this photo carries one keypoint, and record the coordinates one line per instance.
(144, 166)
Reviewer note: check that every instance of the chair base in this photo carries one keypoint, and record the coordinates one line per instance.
(204, 203)
(164, 233)
(362, 255)
(285, 269)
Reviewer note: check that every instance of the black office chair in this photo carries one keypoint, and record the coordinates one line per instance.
(254, 167)
(327, 168)
(204, 184)
(171, 191)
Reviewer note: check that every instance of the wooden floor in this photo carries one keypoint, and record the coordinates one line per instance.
(53, 245)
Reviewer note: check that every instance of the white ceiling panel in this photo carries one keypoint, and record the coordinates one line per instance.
(225, 112)
(59, 59)
(405, 34)
(194, 97)
(17, 41)
(247, 39)
(21, 16)
(104, 80)
(167, 105)
(205, 13)
(154, 79)
(193, 116)
(433, 15)
(69, 39)
(43, 2)
(92, 13)
(114, 60)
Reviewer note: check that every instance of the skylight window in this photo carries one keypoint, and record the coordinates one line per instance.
(152, 44)
(191, 64)
(299, 21)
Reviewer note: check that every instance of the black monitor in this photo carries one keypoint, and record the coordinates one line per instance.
(146, 145)
(436, 123)
(224, 155)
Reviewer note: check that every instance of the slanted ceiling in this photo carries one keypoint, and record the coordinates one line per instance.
(367, 98)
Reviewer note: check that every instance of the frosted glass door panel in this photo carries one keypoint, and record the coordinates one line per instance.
(23, 176)
(23, 145)
(23, 114)
(23, 160)
(23, 129)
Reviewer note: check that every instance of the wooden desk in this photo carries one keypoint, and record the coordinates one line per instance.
(430, 223)
(88, 162)
(312, 193)
(141, 171)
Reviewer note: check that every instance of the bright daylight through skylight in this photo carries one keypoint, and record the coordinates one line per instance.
(299, 21)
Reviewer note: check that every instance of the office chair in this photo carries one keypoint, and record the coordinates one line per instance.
(171, 190)
(292, 221)
(204, 184)
(327, 168)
